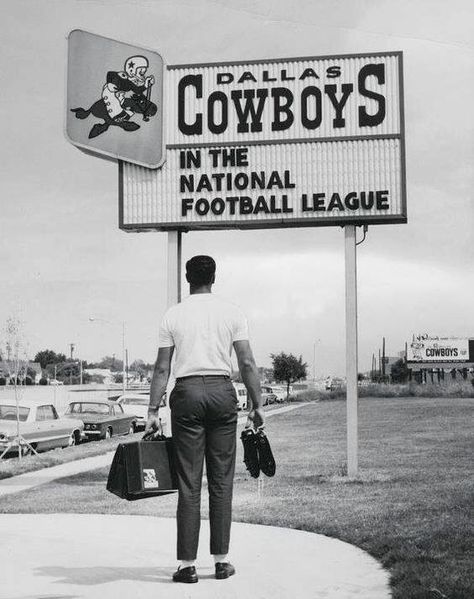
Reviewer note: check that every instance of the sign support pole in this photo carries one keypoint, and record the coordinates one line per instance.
(174, 268)
(173, 295)
(351, 349)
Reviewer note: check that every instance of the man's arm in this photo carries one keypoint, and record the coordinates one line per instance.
(159, 381)
(249, 374)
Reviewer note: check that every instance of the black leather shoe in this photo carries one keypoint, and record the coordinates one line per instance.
(249, 442)
(265, 455)
(187, 575)
(224, 570)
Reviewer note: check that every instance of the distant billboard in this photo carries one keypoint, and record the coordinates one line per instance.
(275, 143)
(439, 349)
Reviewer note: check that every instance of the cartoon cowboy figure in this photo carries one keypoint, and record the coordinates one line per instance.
(124, 94)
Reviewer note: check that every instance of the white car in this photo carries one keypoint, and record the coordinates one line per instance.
(278, 391)
(40, 426)
(136, 404)
(241, 392)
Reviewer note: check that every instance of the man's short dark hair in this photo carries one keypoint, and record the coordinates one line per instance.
(200, 270)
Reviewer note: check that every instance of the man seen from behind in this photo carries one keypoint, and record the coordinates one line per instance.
(200, 332)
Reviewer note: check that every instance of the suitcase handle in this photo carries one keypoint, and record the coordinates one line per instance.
(155, 435)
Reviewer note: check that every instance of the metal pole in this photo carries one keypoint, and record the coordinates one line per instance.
(174, 288)
(174, 268)
(383, 358)
(351, 349)
(314, 361)
(123, 358)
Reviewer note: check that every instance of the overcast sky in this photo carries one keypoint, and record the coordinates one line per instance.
(64, 260)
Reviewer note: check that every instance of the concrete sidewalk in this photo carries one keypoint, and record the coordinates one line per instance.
(81, 556)
(26, 481)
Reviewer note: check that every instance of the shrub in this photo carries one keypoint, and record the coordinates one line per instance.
(446, 389)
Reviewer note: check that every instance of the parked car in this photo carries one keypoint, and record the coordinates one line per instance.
(267, 397)
(333, 383)
(102, 419)
(241, 392)
(136, 404)
(277, 391)
(40, 426)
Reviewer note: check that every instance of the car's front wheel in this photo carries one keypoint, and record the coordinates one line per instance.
(74, 438)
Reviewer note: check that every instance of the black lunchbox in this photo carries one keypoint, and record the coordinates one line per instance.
(142, 469)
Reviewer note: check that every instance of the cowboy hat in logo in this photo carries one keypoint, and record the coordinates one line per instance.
(114, 99)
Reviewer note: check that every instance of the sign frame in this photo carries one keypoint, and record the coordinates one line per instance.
(105, 154)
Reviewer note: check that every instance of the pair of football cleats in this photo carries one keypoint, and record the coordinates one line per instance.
(258, 455)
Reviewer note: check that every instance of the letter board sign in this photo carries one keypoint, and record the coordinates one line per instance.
(276, 143)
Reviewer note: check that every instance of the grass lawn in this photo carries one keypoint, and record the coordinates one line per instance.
(411, 506)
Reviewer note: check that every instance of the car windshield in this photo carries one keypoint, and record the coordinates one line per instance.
(9, 413)
(135, 401)
(89, 408)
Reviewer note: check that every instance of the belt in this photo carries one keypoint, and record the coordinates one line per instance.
(203, 376)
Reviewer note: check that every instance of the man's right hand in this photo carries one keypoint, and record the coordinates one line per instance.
(255, 418)
(153, 424)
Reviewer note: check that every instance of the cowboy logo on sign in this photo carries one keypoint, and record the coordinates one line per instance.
(121, 104)
(125, 94)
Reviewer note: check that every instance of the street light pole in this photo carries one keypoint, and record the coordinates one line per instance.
(314, 358)
(92, 319)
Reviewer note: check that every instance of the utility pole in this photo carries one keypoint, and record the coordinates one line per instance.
(383, 358)
(126, 361)
(72, 347)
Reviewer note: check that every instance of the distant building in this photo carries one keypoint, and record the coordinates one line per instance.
(265, 374)
(105, 373)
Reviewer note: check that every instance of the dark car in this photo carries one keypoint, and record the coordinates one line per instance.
(102, 419)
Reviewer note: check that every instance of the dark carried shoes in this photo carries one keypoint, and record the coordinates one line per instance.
(258, 454)
(224, 570)
(187, 575)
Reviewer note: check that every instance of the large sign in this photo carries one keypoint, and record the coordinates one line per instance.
(438, 349)
(276, 143)
(114, 104)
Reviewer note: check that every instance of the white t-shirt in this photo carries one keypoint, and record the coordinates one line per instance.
(202, 329)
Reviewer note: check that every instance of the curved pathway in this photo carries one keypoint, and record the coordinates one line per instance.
(81, 556)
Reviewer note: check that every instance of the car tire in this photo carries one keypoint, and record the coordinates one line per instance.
(108, 433)
(74, 439)
(132, 430)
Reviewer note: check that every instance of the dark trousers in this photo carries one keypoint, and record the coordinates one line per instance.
(204, 422)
